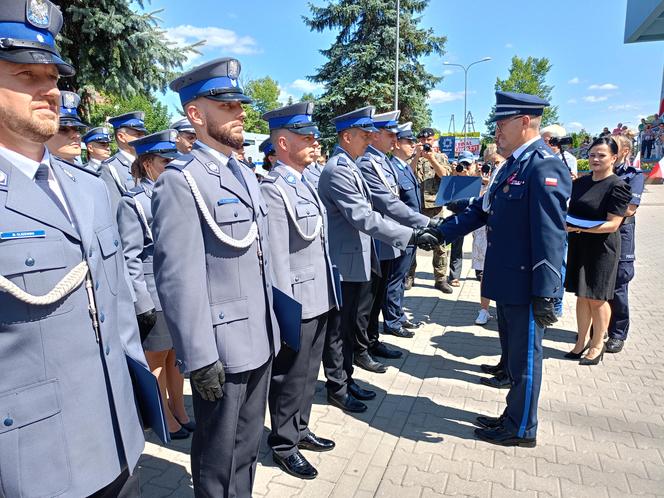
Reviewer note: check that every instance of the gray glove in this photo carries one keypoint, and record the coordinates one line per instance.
(425, 238)
(544, 312)
(209, 381)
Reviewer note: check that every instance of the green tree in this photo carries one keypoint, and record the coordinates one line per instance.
(116, 50)
(308, 97)
(265, 94)
(157, 117)
(528, 76)
(360, 62)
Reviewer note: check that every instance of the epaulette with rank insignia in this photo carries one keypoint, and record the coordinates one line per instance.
(80, 167)
(271, 177)
(544, 154)
(180, 163)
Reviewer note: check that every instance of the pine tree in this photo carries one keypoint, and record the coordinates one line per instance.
(360, 63)
(116, 50)
(528, 76)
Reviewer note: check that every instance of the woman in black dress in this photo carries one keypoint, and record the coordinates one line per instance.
(593, 253)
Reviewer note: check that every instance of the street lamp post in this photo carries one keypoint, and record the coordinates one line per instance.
(465, 92)
(396, 69)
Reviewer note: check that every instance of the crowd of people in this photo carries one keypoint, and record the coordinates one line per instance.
(174, 257)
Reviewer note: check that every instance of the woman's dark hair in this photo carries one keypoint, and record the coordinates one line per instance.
(267, 164)
(608, 141)
(138, 171)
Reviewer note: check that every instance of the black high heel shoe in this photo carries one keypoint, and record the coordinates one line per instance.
(594, 361)
(576, 356)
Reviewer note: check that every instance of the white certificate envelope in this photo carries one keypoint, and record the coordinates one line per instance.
(578, 222)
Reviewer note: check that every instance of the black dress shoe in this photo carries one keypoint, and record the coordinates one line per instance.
(347, 403)
(595, 361)
(296, 465)
(575, 356)
(444, 287)
(382, 350)
(501, 437)
(489, 422)
(368, 363)
(614, 345)
(412, 325)
(409, 283)
(501, 382)
(406, 334)
(312, 442)
(359, 393)
(181, 433)
(190, 426)
(491, 369)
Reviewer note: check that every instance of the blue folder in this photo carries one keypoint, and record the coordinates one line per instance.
(337, 286)
(148, 398)
(289, 315)
(453, 188)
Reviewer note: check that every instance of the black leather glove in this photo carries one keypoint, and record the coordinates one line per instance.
(146, 322)
(458, 206)
(426, 238)
(209, 381)
(543, 311)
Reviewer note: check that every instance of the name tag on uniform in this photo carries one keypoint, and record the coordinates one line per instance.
(221, 202)
(28, 234)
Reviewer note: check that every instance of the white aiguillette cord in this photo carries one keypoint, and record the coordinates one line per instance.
(289, 209)
(71, 281)
(243, 243)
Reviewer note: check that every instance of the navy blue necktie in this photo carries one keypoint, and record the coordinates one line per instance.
(41, 179)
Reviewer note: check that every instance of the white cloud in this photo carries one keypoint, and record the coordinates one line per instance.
(226, 40)
(574, 81)
(574, 125)
(603, 86)
(447, 72)
(594, 98)
(509, 45)
(441, 96)
(571, 101)
(623, 107)
(306, 86)
(284, 95)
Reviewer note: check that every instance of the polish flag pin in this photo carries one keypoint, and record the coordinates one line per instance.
(551, 182)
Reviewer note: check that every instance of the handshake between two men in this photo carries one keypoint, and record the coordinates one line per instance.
(428, 237)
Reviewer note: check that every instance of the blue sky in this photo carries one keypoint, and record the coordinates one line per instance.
(598, 80)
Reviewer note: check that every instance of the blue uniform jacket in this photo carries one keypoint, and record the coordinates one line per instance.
(524, 211)
(636, 181)
(409, 188)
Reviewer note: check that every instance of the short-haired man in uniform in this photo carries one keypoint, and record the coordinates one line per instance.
(214, 279)
(303, 271)
(353, 224)
(98, 144)
(116, 170)
(69, 426)
(381, 177)
(524, 211)
(429, 166)
(186, 135)
(66, 143)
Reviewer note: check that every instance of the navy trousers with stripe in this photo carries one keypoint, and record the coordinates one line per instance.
(521, 341)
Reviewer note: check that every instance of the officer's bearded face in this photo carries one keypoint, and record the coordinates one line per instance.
(301, 149)
(29, 101)
(225, 122)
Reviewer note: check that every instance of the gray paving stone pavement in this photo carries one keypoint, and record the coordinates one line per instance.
(601, 428)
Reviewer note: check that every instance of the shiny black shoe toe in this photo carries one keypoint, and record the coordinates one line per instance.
(359, 393)
(366, 362)
(381, 350)
(491, 369)
(412, 325)
(181, 433)
(404, 333)
(501, 382)
(614, 345)
(312, 442)
(501, 437)
(296, 465)
(347, 403)
(489, 422)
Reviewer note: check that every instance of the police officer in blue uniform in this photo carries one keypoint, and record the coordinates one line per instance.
(524, 211)
(66, 143)
(411, 195)
(69, 426)
(98, 144)
(304, 272)
(116, 171)
(619, 324)
(218, 300)
(186, 135)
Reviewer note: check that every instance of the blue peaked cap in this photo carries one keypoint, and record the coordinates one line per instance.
(510, 104)
(359, 118)
(99, 134)
(266, 147)
(134, 120)
(387, 121)
(27, 33)
(216, 80)
(69, 102)
(295, 118)
(161, 143)
(405, 132)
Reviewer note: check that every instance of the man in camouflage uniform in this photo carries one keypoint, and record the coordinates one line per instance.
(429, 165)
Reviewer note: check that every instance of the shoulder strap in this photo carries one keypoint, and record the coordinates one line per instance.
(381, 174)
